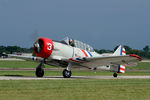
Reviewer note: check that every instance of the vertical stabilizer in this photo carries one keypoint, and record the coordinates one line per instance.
(120, 51)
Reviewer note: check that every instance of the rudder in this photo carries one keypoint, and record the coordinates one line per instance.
(120, 51)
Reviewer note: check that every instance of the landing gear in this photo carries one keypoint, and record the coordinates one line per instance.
(40, 70)
(115, 74)
(67, 72)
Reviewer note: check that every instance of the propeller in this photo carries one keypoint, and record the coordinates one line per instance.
(34, 36)
(38, 45)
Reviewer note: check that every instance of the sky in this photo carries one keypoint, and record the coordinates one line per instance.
(102, 24)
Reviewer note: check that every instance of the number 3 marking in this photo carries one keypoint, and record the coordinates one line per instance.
(49, 46)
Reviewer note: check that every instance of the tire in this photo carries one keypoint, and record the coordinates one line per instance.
(39, 72)
(66, 73)
(115, 74)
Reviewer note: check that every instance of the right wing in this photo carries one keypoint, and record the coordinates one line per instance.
(103, 61)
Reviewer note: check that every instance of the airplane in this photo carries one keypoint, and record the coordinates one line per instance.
(71, 53)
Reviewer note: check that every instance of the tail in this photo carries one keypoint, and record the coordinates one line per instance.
(120, 51)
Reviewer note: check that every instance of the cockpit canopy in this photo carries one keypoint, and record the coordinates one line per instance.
(78, 44)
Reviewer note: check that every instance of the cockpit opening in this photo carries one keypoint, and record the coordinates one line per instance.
(78, 44)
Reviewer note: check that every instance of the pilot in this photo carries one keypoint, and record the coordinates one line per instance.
(71, 42)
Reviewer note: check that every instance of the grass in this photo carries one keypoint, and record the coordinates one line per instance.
(72, 89)
(17, 64)
(75, 89)
(20, 64)
(30, 64)
(28, 73)
(141, 65)
(74, 73)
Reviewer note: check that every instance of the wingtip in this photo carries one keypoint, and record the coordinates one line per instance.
(133, 55)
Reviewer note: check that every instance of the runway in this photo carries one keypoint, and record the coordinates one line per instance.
(73, 77)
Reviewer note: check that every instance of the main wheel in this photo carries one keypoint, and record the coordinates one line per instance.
(115, 74)
(39, 72)
(66, 73)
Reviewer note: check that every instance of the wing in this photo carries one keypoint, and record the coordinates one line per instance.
(29, 58)
(107, 60)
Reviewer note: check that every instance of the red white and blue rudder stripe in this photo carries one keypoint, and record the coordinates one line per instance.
(121, 68)
(123, 51)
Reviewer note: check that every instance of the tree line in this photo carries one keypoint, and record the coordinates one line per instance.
(11, 49)
(145, 52)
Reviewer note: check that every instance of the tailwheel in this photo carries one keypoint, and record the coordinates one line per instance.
(66, 73)
(39, 72)
(115, 74)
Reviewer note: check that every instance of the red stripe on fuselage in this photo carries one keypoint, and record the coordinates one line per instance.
(84, 53)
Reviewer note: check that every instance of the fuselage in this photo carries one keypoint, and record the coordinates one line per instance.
(64, 51)
(68, 51)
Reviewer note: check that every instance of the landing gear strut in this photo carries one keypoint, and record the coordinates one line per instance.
(40, 70)
(115, 74)
(67, 72)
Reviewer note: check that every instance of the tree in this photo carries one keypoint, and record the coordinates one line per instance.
(146, 49)
(103, 51)
(146, 52)
(10, 49)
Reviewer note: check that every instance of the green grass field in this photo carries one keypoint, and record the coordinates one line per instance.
(27, 64)
(75, 89)
(72, 89)
(141, 65)
(20, 64)
(74, 73)
(30, 64)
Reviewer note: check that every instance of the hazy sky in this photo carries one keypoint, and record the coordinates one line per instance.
(100, 23)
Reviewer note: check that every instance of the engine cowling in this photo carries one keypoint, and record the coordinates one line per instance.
(43, 47)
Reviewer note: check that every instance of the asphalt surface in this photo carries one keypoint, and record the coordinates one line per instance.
(73, 77)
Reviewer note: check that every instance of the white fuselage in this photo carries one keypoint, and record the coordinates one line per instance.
(64, 51)
(67, 51)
